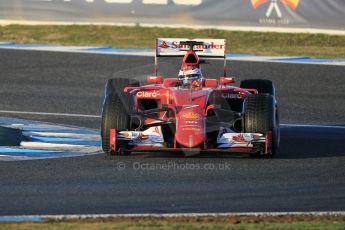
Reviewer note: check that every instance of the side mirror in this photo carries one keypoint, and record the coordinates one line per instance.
(226, 80)
(154, 79)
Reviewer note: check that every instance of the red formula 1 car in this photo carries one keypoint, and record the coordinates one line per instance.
(189, 113)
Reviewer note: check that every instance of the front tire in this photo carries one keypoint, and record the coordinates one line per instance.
(261, 116)
(116, 114)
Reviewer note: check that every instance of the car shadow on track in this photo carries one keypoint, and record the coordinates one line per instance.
(311, 142)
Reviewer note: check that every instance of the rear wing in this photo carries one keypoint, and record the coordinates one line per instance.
(178, 47)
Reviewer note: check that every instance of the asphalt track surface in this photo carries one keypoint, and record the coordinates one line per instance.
(307, 175)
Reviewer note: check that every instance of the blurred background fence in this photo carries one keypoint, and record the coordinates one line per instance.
(319, 14)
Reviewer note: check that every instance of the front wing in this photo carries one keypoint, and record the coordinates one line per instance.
(151, 140)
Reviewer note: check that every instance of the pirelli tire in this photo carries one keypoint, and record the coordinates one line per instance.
(261, 85)
(118, 84)
(116, 114)
(261, 116)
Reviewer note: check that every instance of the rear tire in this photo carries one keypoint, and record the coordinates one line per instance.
(116, 114)
(262, 86)
(261, 116)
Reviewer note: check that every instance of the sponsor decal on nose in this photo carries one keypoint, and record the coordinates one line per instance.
(191, 115)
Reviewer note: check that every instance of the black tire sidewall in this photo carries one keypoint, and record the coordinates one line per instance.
(116, 114)
(107, 123)
(255, 116)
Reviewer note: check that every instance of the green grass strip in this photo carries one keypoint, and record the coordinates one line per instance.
(232, 222)
(264, 44)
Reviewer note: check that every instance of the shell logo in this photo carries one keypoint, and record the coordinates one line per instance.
(273, 6)
(191, 115)
(293, 4)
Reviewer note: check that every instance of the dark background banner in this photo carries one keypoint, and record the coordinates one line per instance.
(322, 14)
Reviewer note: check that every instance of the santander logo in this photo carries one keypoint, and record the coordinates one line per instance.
(176, 45)
(164, 45)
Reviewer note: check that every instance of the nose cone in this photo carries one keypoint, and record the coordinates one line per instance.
(190, 128)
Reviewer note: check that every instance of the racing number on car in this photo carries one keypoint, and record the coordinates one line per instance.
(156, 2)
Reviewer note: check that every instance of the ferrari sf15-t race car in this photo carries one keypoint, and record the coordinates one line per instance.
(189, 113)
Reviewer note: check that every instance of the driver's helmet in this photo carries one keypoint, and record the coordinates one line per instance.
(190, 77)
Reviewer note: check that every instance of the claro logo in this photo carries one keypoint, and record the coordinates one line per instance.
(232, 96)
(148, 94)
(148, 2)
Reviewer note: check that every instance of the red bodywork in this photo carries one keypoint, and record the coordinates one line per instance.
(187, 108)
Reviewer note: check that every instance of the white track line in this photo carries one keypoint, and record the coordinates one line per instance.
(313, 126)
(42, 145)
(171, 215)
(50, 114)
(65, 135)
(41, 218)
(90, 150)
